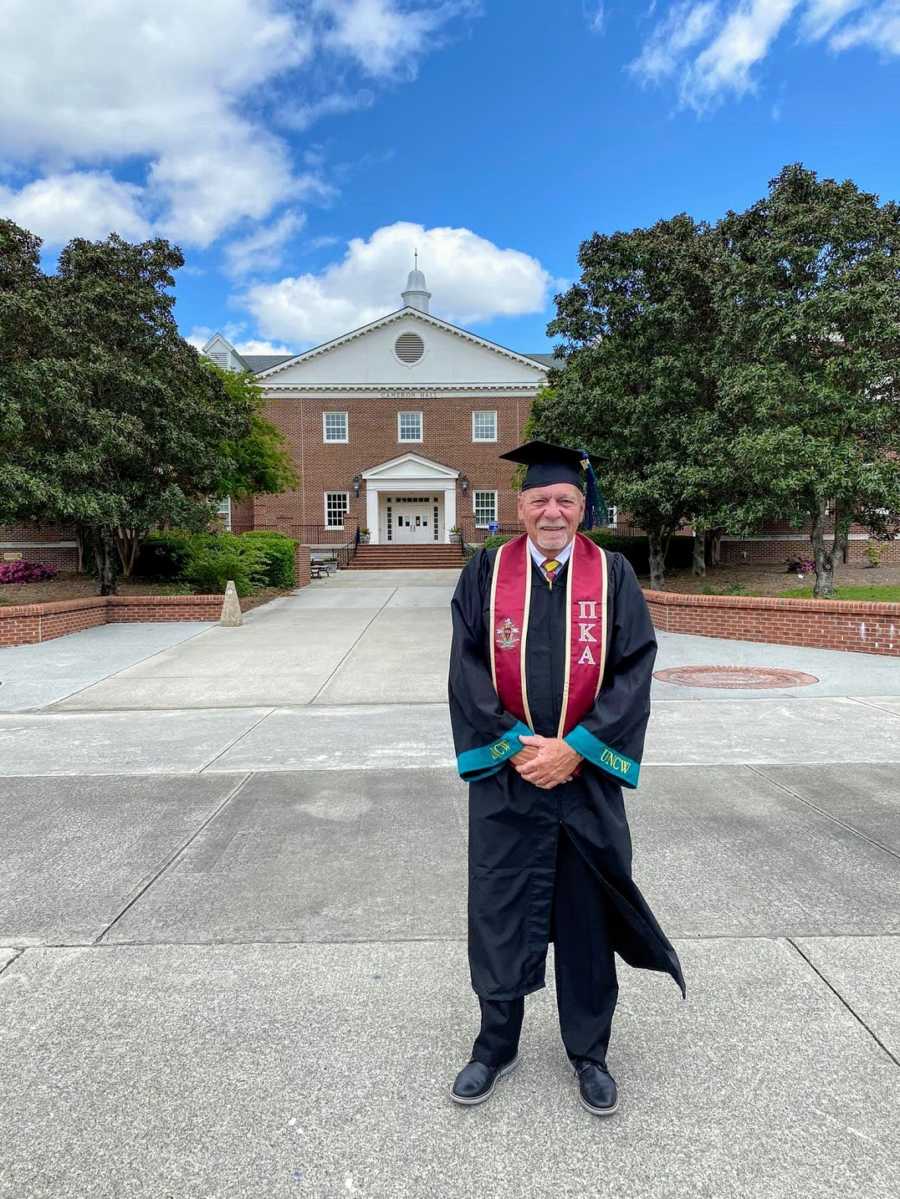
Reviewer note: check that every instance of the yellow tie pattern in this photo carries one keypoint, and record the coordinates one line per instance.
(550, 567)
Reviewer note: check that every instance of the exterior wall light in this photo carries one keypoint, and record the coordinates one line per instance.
(464, 484)
(357, 483)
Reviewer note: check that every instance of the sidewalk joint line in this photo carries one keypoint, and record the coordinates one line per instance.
(19, 950)
(362, 634)
(240, 737)
(822, 812)
(836, 992)
(116, 673)
(868, 704)
(175, 854)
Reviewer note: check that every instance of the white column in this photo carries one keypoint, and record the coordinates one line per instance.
(372, 513)
(449, 509)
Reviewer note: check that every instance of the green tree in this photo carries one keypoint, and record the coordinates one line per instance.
(637, 388)
(108, 418)
(259, 462)
(809, 356)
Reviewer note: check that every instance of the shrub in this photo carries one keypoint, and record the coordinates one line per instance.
(163, 555)
(25, 572)
(277, 552)
(873, 553)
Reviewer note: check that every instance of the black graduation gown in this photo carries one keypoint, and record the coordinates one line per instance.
(514, 825)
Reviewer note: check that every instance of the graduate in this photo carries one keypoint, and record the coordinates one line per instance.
(549, 688)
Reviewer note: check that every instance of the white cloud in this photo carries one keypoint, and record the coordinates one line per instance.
(594, 15)
(740, 38)
(821, 16)
(685, 24)
(200, 335)
(255, 346)
(76, 204)
(471, 280)
(302, 116)
(879, 29)
(383, 38)
(262, 250)
(183, 94)
(742, 42)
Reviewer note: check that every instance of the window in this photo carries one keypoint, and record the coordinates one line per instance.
(224, 510)
(484, 426)
(409, 426)
(337, 505)
(334, 426)
(485, 508)
(612, 515)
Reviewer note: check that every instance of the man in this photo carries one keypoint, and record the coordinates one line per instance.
(549, 687)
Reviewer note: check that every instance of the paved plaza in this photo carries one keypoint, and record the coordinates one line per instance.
(232, 912)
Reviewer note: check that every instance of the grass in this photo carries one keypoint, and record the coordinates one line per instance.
(886, 593)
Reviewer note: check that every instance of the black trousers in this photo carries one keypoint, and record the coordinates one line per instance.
(584, 965)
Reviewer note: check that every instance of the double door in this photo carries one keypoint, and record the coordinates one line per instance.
(413, 520)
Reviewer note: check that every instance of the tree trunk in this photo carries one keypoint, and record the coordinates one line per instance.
(824, 558)
(842, 522)
(698, 567)
(714, 556)
(657, 560)
(106, 562)
(127, 542)
(79, 536)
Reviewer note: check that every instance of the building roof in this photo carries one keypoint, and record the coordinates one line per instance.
(263, 362)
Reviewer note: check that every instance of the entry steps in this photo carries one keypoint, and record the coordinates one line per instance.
(407, 557)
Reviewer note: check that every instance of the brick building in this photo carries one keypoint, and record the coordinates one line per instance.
(396, 429)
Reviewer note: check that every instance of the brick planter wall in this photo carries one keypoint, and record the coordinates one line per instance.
(870, 628)
(25, 624)
(301, 564)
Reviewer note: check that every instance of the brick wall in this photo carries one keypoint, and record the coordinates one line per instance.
(870, 628)
(25, 624)
(372, 429)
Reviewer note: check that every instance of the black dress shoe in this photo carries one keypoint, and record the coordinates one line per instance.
(476, 1081)
(597, 1087)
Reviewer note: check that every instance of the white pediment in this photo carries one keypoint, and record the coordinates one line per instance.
(409, 466)
(367, 358)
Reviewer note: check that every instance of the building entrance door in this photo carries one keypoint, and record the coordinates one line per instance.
(413, 519)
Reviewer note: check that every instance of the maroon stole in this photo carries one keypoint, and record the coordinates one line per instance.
(585, 583)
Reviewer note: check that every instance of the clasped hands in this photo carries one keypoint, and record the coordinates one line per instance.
(545, 761)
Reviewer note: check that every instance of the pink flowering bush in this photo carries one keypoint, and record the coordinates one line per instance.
(25, 572)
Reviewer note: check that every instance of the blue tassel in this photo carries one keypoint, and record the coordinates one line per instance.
(595, 511)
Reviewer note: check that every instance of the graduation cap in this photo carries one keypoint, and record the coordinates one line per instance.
(548, 463)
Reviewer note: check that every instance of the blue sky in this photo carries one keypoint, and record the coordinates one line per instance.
(298, 151)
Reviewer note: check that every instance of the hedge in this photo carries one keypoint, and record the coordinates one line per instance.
(208, 560)
(635, 549)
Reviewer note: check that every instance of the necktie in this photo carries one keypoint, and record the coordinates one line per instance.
(550, 567)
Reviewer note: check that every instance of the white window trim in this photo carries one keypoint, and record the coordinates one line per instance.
(411, 440)
(224, 509)
(335, 440)
(325, 496)
(485, 491)
(615, 514)
(481, 412)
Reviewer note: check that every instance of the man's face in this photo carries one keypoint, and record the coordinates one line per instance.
(551, 515)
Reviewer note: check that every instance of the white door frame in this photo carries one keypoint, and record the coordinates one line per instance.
(409, 473)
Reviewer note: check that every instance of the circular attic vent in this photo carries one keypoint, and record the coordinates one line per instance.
(409, 347)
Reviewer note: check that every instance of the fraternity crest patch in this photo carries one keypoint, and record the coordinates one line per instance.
(508, 634)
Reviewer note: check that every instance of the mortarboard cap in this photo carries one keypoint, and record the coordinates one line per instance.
(548, 464)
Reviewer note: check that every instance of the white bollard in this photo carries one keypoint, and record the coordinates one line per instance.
(231, 607)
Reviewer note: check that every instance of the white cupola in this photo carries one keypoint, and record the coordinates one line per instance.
(417, 294)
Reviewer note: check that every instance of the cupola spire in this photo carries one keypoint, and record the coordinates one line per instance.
(417, 294)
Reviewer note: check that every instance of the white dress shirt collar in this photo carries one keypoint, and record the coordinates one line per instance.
(561, 557)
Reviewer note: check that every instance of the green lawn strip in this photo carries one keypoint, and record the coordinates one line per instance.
(874, 594)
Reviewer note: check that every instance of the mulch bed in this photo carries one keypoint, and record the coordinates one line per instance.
(69, 585)
(758, 579)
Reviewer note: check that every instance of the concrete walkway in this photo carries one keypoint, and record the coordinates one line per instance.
(232, 906)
